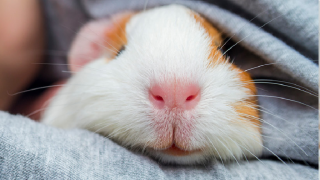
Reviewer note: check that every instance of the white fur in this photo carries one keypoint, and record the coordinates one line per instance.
(163, 43)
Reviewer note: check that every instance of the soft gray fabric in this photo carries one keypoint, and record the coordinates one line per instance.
(30, 150)
(289, 115)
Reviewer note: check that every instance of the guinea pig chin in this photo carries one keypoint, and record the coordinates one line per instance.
(173, 127)
(174, 133)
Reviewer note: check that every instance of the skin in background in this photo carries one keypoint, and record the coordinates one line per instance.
(22, 43)
(21, 47)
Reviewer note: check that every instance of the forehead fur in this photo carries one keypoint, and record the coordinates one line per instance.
(171, 37)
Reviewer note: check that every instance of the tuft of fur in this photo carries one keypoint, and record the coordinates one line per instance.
(163, 44)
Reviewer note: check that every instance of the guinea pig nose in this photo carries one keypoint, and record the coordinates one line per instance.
(175, 95)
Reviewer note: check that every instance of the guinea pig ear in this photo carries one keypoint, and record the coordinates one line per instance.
(99, 38)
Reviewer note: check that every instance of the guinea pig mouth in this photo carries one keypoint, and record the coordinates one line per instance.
(176, 151)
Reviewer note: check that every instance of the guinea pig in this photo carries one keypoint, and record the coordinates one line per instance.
(156, 81)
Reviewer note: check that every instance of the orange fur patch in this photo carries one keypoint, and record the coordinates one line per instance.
(216, 39)
(246, 109)
(115, 36)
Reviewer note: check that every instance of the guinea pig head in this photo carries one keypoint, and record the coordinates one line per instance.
(162, 86)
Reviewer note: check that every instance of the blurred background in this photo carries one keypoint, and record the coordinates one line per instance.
(35, 37)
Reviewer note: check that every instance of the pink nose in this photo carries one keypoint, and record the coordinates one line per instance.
(175, 95)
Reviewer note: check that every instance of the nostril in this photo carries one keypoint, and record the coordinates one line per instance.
(158, 98)
(190, 98)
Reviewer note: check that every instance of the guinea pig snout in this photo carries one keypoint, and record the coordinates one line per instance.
(174, 95)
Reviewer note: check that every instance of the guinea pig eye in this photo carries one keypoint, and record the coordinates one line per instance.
(220, 49)
(120, 50)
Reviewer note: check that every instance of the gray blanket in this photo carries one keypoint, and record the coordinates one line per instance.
(31, 150)
(277, 42)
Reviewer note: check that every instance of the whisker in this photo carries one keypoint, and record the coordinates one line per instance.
(269, 151)
(262, 109)
(35, 112)
(215, 149)
(277, 130)
(286, 100)
(248, 35)
(301, 87)
(275, 155)
(229, 151)
(242, 28)
(50, 86)
(259, 66)
(286, 86)
(59, 85)
(245, 149)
